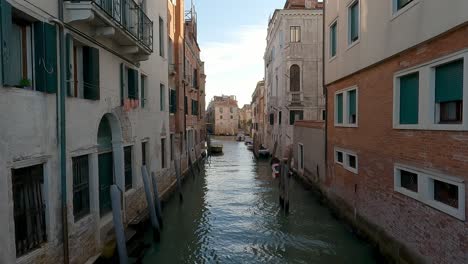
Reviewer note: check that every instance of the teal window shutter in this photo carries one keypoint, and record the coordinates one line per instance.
(352, 102)
(91, 73)
(143, 99)
(354, 27)
(339, 108)
(449, 82)
(409, 99)
(45, 59)
(333, 40)
(69, 63)
(132, 84)
(6, 27)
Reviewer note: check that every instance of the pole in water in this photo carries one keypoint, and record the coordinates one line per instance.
(149, 200)
(286, 188)
(157, 201)
(179, 184)
(118, 224)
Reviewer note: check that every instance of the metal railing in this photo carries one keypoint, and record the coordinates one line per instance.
(130, 17)
(295, 97)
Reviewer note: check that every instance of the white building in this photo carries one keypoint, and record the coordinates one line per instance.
(293, 70)
(113, 77)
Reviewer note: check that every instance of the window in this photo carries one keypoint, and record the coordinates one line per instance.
(301, 157)
(84, 63)
(29, 52)
(29, 208)
(445, 193)
(80, 187)
(347, 159)
(333, 34)
(161, 37)
(449, 92)
(346, 107)
(272, 119)
(402, 3)
(232, 117)
(195, 78)
(144, 149)
(220, 117)
(162, 96)
(353, 20)
(128, 167)
(163, 153)
(295, 34)
(186, 105)
(279, 117)
(295, 78)
(173, 101)
(172, 146)
(295, 115)
(143, 90)
(409, 98)
(128, 84)
(194, 107)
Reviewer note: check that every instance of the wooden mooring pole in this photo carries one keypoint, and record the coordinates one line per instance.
(116, 196)
(157, 201)
(151, 209)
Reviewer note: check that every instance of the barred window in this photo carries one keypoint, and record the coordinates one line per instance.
(80, 186)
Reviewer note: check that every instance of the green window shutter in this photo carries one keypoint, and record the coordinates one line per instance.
(91, 73)
(352, 102)
(339, 108)
(354, 21)
(122, 83)
(333, 40)
(449, 82)
(69, 62)
(45, 59)
(409, 99)
(6, 27)
(142, 91)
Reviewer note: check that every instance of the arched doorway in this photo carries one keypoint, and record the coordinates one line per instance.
(110, 159)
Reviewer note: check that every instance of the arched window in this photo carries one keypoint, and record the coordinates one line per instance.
(295, 78)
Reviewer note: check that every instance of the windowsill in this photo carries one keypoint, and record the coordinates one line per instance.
(347, 125)
(352, 44)
(355, 171)
(332, 58)
(435, 127)
(455, 212)
(403, 10)
(84, 218)
(105, 220)
(28, 257)
(407, 192)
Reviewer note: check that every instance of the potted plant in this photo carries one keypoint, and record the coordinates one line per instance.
(26, 84)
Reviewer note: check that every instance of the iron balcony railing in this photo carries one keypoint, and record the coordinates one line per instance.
(131, 18)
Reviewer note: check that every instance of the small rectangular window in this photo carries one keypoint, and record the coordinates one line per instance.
(81, 203)
(339, 157)
(279, 117)
(173, 102)
(162, 97)
(144, 150)
(295, 34)
(163, 153)
(220, 117)
(446, 193)
(339, 109)
(352, 161)
(301, 156)
(409, 180)
(161, 37)
(128, 167)
(333, 40)
(352, 111)
(272, 119)
(353, 14)
(143, 86)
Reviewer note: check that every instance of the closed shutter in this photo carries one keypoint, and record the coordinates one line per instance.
(122, 83)
(143, 99)
(69, 63)
(333, 40)
(352, 102)
(45, 59)
(91, 73)
(339, 108)
(6, 27)
(449, 82)
(409, 99)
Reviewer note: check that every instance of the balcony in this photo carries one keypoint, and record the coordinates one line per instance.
(122, 21)
(295, 98)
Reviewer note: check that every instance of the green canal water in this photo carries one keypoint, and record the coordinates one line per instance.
(230, 214)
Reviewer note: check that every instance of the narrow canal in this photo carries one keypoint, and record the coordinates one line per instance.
(230, 214)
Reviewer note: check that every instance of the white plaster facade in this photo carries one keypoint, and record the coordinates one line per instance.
(28, 136)
(282, 53)
(384, 31)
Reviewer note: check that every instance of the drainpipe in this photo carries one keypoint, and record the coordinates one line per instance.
(61, 135)
(325, 90)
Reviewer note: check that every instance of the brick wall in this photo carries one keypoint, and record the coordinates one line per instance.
(427, 232)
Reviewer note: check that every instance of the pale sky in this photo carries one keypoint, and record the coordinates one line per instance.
(232, 38)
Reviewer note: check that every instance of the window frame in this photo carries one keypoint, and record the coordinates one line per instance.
(352, 43)
(83, 214)
(427, 105)
(161, 37)
(297, 34)
(162, 97)
(345, 163)
(345, 93)
(395, 12)
(334, 23)
(425, 192)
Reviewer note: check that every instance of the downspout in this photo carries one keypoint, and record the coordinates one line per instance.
(61, 131)
(325, 90)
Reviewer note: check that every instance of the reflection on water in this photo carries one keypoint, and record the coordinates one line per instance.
(230, 214)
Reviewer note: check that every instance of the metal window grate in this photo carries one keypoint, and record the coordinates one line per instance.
(80, 187)
(29, 209)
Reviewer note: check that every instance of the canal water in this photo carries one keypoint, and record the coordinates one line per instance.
(230, 214)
